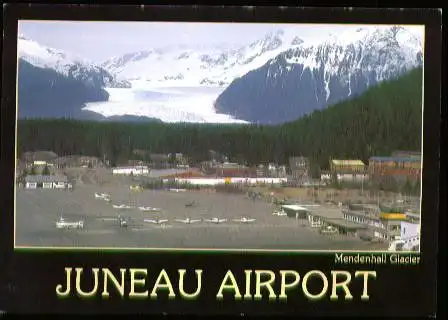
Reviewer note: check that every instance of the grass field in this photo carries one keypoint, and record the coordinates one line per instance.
(37, 210)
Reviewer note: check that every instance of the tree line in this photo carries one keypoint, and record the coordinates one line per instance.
(385, 118)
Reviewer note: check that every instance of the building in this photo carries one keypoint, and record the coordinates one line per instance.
(206, 181)
(295, 211)
(407, 154)
(381, 222)
(321, 216)
(398, 169)
(353, 171)
(159, 161)
(177, 158)
(46, 156)
(409, 230)
(131, 171)
(349, 166)
(230, 170)
(46, 182)
(325, 176)
(300, 168)
(40, 163)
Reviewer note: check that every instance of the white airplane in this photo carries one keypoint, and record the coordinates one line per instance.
(244, 220)
(279, 213)
(62, 224)
(188, 220)
(121, 206)
(177, 190)
(98, 195)
(102, 196)
(156, 221)
(215, 220)
(149, 209)
(122, 221)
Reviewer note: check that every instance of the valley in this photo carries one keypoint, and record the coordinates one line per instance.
(278, 78)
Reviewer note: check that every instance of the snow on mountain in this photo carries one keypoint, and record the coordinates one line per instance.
(199, 66)
(277, 78)
(312, 76)
(167, 104)
(66, 64)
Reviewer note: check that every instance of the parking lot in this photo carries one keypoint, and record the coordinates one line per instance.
(37, 211)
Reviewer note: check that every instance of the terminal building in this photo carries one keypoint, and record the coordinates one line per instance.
(321, 216)
(383, 223)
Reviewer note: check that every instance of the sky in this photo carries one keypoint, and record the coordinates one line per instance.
(99, 41)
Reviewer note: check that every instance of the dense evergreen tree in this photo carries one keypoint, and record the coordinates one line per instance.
(384, 118)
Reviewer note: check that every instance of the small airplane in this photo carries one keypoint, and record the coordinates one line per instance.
(103, 196)
(177, 190)
(121, 206)
(122, 221)
(215, 220)
(149, 209)
(191, 204)
(135, 188)
(244, 220)
(188, 220)
(98, 195)
(62, 224)
(156, 221)
(279, 213)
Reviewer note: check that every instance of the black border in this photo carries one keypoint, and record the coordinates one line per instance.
(28, 279)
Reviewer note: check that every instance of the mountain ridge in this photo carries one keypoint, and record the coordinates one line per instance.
(274, 79)
(307, 78)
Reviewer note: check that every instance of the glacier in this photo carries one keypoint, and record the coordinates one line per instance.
(179, 104)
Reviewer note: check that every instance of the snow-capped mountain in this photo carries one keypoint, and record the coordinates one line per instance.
(212, 65)
(277, 78)
(66, 64)
(312, 76)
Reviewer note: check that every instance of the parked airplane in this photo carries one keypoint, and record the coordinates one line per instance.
(102, 196)
(98, 195)
(279, 213)
(149, 209)
(122, 221)
(121, 206)
(244, 220)
(188, 220)
(156, 221)
(177, 190)
(215, 220)
(135, 188)
(191, 204)
(62, 224)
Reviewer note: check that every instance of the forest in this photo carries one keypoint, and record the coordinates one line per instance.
(385, 118)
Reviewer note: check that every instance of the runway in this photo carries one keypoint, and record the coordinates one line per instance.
(37, 211)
